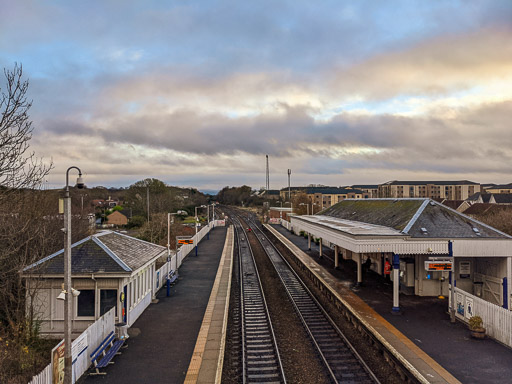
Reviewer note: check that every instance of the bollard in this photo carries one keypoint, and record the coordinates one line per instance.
(168, 286)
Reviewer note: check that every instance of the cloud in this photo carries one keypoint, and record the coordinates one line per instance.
(434, 67)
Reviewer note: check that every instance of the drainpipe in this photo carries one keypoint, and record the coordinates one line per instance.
(452, 283)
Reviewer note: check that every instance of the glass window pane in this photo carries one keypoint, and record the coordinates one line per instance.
(86, 303)
(108, 299)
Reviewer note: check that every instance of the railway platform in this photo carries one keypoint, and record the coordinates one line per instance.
(163, 340)
(435, 350)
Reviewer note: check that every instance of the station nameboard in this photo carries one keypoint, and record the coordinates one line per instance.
(438, 265)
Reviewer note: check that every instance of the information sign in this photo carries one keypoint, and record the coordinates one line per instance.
(438, 265)
(184, 240)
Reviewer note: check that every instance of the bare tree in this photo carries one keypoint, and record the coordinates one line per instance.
(29, 227)
(19, 168)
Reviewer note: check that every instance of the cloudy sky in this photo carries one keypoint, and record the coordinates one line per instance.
(196, 93)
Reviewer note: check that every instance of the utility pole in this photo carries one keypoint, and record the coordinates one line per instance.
(268, 176)
(289, 189)
(147, 198)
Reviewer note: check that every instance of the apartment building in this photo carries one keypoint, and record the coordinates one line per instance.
(498, 188)
(451, 190)
(323, 196)
(328, 196)
(369, 191)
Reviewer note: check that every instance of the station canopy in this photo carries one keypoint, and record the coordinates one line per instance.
(403, 226)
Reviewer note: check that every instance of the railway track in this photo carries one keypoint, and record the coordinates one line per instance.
(338, 355)
(260, 355)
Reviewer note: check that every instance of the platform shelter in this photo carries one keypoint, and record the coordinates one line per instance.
(411, 234)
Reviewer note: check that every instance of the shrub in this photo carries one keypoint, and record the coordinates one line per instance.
(475, 322)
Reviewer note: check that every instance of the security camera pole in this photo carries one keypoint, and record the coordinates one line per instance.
(67, 275)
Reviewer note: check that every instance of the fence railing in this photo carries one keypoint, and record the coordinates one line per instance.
(183, 252)
(286, 224)
(93, 335)
(497, 320)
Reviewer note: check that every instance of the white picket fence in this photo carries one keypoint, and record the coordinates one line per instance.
(183, 252)
(286, 224)
(104, 325)
(497, 320)
(94, 336)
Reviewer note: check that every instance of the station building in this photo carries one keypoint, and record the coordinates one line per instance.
(409, 233)
(109, 269)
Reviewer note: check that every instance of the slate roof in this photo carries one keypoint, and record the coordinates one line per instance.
(458, 182)
(485, 197)
(394, 213)
(104, 252)
(453, 204)
(361, 186)
(502, 198)
(332, 190)
(418, 218)
(497, 186)
(486, 208)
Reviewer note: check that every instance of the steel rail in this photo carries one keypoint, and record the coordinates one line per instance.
(341, 359)
(261, 360)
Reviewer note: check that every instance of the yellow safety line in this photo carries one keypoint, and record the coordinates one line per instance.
(197, 355)
(220, 362)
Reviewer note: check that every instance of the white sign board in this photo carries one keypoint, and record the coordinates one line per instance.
(78, 346)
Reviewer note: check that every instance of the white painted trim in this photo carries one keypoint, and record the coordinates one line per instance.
(367, 244)
(415, 217)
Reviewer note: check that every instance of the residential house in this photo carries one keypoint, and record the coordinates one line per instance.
(116, 218)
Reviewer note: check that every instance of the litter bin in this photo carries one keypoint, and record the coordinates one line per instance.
(477, 287)
(122, 331)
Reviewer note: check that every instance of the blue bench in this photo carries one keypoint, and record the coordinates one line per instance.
(173, 277)
(102, 356)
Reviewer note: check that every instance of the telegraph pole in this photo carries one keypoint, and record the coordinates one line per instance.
(289, 189)
(268, 176)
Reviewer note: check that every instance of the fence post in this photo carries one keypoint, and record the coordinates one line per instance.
(505, 293)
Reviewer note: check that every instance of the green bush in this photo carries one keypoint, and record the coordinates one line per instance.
(475, 322)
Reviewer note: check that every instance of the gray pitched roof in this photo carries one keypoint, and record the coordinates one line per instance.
(457, 182)
(418, 218)
(394, 213)
(105, 252)
(502, 198)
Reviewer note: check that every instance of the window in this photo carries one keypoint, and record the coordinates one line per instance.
(85, 303)
(108, 299)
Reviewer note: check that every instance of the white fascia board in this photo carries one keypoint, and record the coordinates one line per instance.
(371, 244)
(416, 215)
(482, 248)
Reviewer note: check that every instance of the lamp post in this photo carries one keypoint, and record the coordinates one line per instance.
(197, 221)
(67, 274)
(313, 208)
(170, 219)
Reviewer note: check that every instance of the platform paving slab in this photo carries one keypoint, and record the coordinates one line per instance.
(162, 351)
